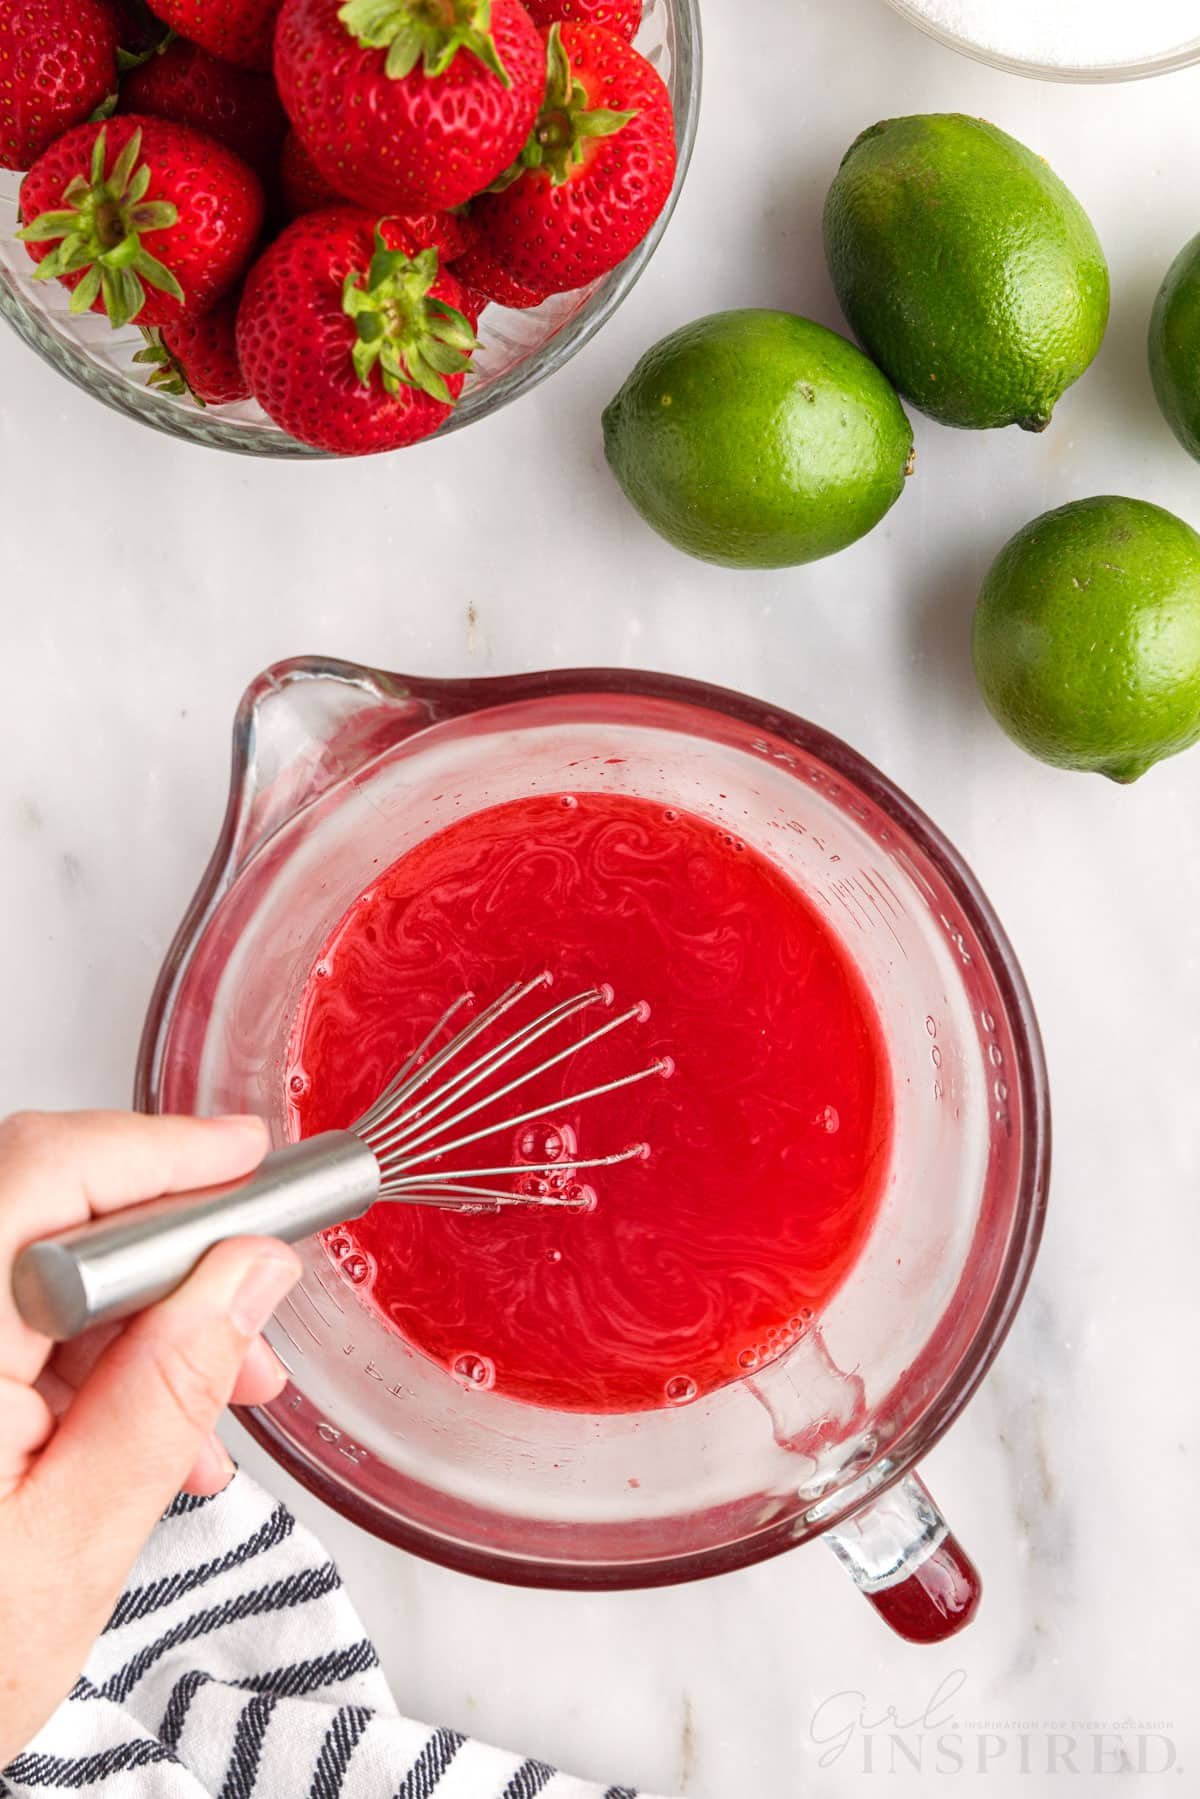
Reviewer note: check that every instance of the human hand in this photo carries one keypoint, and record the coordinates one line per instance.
(98, 1435)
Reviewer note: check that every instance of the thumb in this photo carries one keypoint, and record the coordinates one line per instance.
(136, 1425)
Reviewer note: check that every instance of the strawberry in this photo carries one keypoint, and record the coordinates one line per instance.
(140, 218)
(407, 104)
(473, 303)
(480, 270)
(306, 190)
(198, 356)
(304, 187)
(451, 234)
(239, 107)
(58, 63)
(349, 340)
(622, 16)
(240, 31)
(596, 172)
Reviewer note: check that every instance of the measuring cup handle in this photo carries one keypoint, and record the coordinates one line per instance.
(902, 1557)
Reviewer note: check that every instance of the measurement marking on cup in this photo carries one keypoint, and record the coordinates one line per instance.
(850, 888)
(303, 1293)
(956, 937)
(287, 1333)
(301, 1320)
(875, 897)
(888, 898)
(859, 918)
(883, 880)
(329, 1433)
(330, 1296)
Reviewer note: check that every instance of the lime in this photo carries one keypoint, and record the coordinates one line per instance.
(1175, 347)
(758, 439)
(1087, 636)
(966, 268)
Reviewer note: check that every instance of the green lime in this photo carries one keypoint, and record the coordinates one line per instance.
(758, 439)
(1175, 347)
(966, 268)
(1087, 636)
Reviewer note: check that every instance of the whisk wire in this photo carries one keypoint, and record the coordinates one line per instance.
(418, 1119)
(392, 1168)
(482, 1068)
(384, 1102)
(404, 1084)
(408, 1133)
(491, 1199)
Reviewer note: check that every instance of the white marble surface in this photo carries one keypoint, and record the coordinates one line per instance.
(144, 582)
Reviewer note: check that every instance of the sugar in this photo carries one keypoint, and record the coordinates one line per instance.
(1069, 34)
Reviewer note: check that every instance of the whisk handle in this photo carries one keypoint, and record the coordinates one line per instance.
(115, 1266)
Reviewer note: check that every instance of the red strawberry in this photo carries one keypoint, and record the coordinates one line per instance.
(482, 272)
(240, 31)
(141, 219)
(622, 16)
(349, 342)
(198, 356)
(405, 104)
(473, 303)
(596, 173)
(58, 63)
(305, 189)
(451, 234)
(238, 107)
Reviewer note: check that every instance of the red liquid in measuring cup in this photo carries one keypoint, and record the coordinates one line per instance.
(769, 1143)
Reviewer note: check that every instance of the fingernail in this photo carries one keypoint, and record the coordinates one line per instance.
(262, 1287)
(212, 1470)
(220, 1460)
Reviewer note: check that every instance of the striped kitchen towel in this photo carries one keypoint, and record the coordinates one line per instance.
(235, 1666)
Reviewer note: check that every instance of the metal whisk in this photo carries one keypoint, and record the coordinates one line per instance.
(406, 1142)
(396, 1151)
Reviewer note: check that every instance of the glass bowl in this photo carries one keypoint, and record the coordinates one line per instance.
(1181, 57)
(519, 348)
(339, 769)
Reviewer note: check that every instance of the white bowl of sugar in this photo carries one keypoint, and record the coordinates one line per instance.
(1066, 40)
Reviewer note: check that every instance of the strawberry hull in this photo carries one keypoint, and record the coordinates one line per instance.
(217, 201)
(296, 342)
(413, 142)
(604, 147)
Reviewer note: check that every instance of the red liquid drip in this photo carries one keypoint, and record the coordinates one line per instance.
(769, 1143)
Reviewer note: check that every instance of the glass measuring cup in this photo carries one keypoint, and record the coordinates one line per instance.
(340, 769)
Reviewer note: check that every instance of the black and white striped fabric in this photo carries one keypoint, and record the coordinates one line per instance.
(235, 1666)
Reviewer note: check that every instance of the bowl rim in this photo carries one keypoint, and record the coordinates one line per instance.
(206, 428)
(1168, 63)
(486, 693)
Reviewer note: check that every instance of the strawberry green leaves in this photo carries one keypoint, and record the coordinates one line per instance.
(167, 376)
(565, 124)
(429, 32)
(413, 338)
(98, 229)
